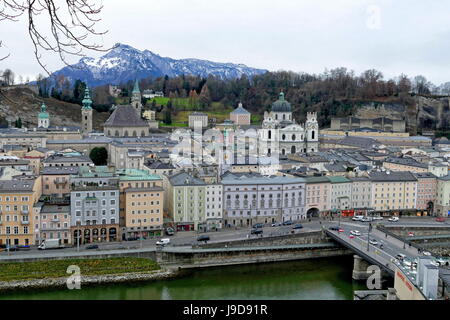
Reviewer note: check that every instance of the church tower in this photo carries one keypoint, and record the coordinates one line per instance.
(43, 117)
(312, 132)
(86, 113)
(136, 101)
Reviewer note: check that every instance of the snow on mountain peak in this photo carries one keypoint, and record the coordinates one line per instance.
(124, 63)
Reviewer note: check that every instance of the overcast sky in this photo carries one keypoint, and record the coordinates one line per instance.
(393, 36)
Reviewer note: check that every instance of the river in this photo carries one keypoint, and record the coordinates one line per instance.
(318, 279)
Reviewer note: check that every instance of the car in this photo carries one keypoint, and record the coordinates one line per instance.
(426, 253)
(357, 218)
(373, 242)
(92, 247)
(355, 233)
(377, 218)
(393, 219)
(434, 263)
(203, 238)
(410, 234)
(258, 226)
(163, 242)
(352, 237)
(276, 224)
(441, 261)
(400, 256)
(256, 231)
(14, 248)
(341, 230)
(333, 228)
(170, 231)
(23, 247)
(297, 226)
(366, 219)
(440, 219)
(287, 223)
(132, 239)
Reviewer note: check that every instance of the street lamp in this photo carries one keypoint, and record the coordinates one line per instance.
(368, 236)
(140, 227)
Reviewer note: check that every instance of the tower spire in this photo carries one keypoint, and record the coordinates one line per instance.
(87, 102)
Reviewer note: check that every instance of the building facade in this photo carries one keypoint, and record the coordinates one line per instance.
(393, 191)
(17, 199)
(253, 198)
(141, 203)
(281, 134)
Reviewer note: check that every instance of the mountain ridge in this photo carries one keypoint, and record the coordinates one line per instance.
(124, 63)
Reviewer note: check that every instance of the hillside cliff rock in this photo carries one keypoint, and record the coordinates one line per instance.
(25, 103)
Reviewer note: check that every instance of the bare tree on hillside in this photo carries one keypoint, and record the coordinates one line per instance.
(71, 24)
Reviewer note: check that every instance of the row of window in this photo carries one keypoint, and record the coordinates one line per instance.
(15, 230)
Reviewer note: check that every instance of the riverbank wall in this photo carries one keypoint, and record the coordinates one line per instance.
(164, 274)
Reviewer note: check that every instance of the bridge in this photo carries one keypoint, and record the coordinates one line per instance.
(385, 258)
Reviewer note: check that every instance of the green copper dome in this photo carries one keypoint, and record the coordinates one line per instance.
(87, 102)
(281, 105)
(43, 114)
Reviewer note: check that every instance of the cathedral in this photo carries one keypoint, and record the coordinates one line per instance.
(281, 134)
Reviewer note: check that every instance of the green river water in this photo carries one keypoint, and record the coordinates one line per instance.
(319, 279)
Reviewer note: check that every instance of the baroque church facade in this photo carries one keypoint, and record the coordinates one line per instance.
(281, 134)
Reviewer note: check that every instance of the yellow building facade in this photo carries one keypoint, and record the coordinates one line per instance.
(17, 198)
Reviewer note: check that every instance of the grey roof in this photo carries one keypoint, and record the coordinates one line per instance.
(16, 185)
(62, 158)
(366, 143)
(424, 175)
(125, 116)
(406, 162)
(196, 113)
(229, 178)
(185, 179)
(337, 167)
(240, 110)
(55, 208)
(59, 170)
(158, 165)
(392, 176)
(360, 179)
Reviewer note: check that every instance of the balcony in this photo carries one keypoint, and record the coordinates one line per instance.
(55, 220)
(25, 222)
(25, 212)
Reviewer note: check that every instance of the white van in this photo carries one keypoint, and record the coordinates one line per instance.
(163, 242)
(358, 218)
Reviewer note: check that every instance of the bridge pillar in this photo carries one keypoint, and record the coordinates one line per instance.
(360, 268)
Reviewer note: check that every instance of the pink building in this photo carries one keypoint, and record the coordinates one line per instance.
(318, 196)
(426, 191)
(54, 223)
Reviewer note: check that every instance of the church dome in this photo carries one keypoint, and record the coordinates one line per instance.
(281, 105)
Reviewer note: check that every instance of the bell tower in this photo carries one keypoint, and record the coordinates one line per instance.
(86, 113)
(312, 132)
(136, 101)
(43, 117)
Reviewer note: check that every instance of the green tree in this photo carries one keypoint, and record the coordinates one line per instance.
(99, 155)
(78, 91)
(18, 123)
(167, 116)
